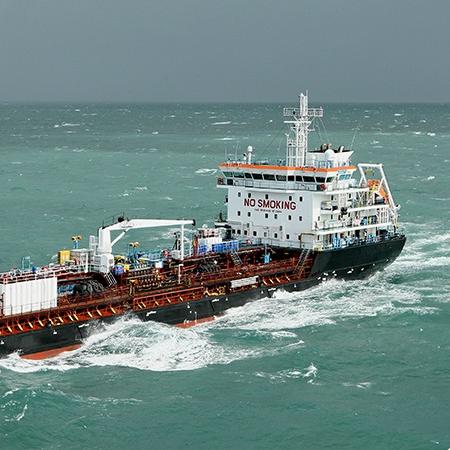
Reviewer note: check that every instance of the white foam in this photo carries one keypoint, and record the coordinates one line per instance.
(283, 376)
(439, 199)
(205, 171)
(362, 385)
(311, 371)
(226, 122)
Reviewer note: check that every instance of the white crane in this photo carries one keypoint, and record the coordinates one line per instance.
(104, 258)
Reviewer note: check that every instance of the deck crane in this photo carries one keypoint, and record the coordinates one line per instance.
(103, 257)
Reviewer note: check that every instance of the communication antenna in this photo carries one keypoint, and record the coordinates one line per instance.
(354, 136)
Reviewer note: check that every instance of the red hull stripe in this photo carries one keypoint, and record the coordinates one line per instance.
(51, 353)
(192, 323)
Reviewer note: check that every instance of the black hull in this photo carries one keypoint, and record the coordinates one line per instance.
(347, 263)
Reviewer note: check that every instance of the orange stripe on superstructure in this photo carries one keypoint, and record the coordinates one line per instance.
(286, 168)
(51, 353)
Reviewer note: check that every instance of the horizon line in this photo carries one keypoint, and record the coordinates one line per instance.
(222, 102)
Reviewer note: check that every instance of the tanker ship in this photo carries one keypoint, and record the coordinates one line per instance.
(290, 224)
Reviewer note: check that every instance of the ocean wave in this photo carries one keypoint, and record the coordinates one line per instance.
(309, 373)
(144, 346)
(206, 171)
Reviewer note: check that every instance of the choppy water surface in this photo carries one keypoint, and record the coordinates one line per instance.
(344, 365)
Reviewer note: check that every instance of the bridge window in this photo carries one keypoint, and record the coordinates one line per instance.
(291, 178)
(299, 179)
(269, 177)
(257, 176)
(238, 175)
(281, 178)
(228, 174)
(309, 179)
(320, 179)
(247, 175)
(329, 179)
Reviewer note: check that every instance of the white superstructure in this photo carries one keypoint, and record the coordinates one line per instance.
(314, 199)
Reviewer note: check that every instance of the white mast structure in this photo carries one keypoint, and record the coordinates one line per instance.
(301, 119)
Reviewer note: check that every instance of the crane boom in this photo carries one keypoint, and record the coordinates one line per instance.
(104, 249)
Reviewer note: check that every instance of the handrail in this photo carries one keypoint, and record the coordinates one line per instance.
(50, 272)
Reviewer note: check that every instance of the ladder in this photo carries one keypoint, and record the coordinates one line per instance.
(237, 261)
(302, 260)
(110, 279)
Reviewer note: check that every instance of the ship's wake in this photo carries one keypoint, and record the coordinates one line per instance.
(268, 326)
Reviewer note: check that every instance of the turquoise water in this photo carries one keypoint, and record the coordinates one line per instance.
(345, 365)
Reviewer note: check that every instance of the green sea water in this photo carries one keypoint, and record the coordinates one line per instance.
(346, 365)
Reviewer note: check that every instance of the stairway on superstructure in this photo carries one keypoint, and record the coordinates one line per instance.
(237, 261)
(302, 263)
(111, 280)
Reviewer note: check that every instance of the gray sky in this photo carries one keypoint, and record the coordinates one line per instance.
(227, 50)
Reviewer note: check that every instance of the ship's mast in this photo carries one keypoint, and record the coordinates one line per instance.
(300, 120)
